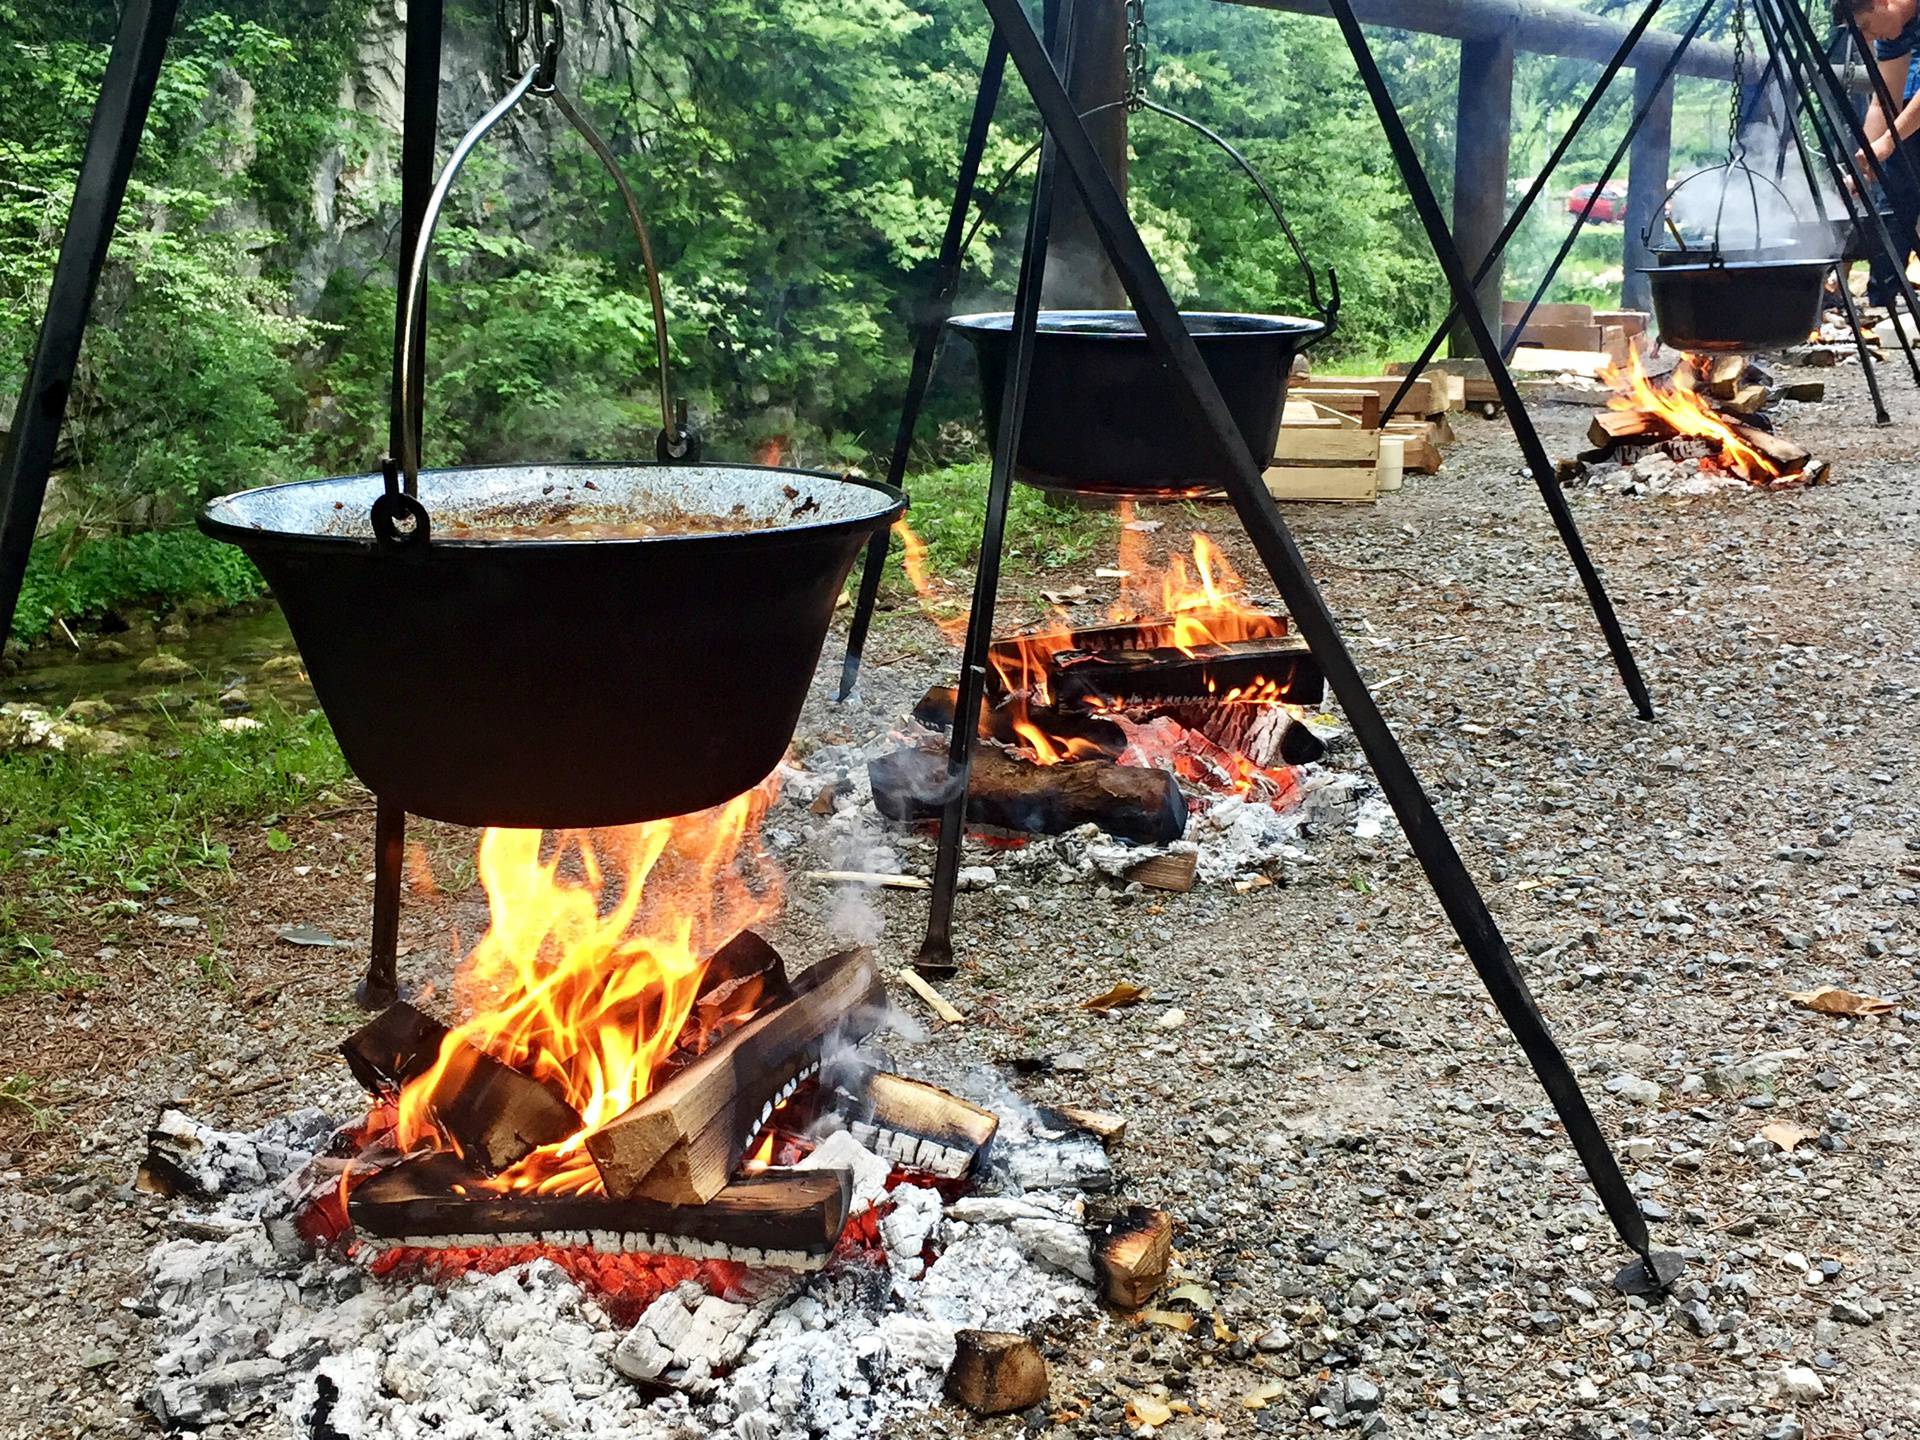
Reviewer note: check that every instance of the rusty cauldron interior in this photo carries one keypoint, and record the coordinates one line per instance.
(544, 683)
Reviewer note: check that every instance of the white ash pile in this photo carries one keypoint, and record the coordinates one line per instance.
(260, 1333)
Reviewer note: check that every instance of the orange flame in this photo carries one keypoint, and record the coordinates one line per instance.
(1688, 413)
(591, 965)
(937, 607)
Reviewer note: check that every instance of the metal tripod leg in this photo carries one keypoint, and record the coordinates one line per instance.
(381, 985)
(1226, 454)
(120, 114)
(933, 320)
(936, 948)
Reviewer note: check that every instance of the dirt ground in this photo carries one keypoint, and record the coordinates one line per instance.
(1394, 1229)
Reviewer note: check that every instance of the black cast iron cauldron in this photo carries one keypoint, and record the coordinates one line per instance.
(562, 683)
(1739, 306)
(1102, 417)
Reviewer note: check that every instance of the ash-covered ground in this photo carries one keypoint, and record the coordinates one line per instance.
(1391, 1226)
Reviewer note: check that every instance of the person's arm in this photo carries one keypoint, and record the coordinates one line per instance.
(1893, 78)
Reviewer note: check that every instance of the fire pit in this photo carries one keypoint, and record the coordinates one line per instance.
(1705, 426)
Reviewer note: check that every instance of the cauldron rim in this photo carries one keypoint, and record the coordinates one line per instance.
(1702, 267)
(1242, 325)
(223, 516)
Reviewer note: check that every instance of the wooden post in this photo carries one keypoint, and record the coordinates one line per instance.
(1078, 275)
(1481, 143)
(1647, 176)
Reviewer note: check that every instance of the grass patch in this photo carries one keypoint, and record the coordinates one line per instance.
(86, 833)
(1043, 533)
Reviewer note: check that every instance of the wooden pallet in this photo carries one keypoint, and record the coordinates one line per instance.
(1324, 454)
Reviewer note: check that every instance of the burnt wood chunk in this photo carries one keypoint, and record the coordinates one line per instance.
(496, 1114)
(781, 1212)
(996, 1372)
(913, 1123)
(744, 977)
(683, 1142)
(1131, 1254)
(1278, 669)
(936, 707)
(398, 1045)
(1103, 1125)
(1133, 803)
(1175, 873)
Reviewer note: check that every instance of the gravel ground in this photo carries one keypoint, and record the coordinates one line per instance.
(1395, 1231)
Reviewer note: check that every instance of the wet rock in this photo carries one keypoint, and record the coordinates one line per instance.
(165, 667)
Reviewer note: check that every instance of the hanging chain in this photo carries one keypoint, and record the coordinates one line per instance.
(1737, 110)
(1136, 55)
(514, 19)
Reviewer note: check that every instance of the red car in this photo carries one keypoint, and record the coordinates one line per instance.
(1611, 207)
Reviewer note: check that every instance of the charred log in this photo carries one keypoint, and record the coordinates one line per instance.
(1281, 670)
(1124, 800)
(787, 1217)
(916, 1124)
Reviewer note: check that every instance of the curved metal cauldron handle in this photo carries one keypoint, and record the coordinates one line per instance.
(1715, 256)
(398, 516)
(1329, 311)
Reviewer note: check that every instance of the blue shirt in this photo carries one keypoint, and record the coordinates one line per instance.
(1901, 47)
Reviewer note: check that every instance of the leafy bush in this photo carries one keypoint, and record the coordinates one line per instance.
(77, 579)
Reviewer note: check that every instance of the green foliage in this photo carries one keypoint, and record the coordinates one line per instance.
(794, 159)
(85, 832)
(80, 579)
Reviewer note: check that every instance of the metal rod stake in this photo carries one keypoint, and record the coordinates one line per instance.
(933, 319)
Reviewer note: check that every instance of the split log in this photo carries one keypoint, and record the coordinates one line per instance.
(1805, 391)
(497, 1115)
(913, 1123)
(935, 710)
(1788, 456)
(787, 1218)
(1747, 400)
(682, 1143)
(1613, 428)
(1103, 1125)
(1131, 1254)
(996, 1372)
(1124, 800)
(398, 1045)
(1267, 735)
(744, 977)
(1724, 375)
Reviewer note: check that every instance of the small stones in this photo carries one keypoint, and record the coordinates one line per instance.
(1632, 1088)
(1797, 1383)
(1854, 1312)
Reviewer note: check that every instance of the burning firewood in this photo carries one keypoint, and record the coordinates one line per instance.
(996, 1372)
(683, 1142)
(1277, 670)
(783, 1218)
(495, 1114)
(1135, 804)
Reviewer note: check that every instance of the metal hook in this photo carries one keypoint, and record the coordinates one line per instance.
(549, 29)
